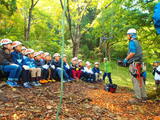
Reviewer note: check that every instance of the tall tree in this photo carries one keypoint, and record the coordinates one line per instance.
(76, 11)
(28, 27)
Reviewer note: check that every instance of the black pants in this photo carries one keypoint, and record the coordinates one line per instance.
(88, 77)
(45, 74)
(25, 76)
(109, 77)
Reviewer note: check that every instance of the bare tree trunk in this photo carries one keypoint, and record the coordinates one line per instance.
(76, 45)
(25, 27)
(108, 50)
(27, 31)
(29, 25)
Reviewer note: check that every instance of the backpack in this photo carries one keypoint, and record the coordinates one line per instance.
(156, 17)
(111, 88)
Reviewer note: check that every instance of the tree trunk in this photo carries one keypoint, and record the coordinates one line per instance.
(29, 25)
(108, 50)
(27, 31)
(76, 45)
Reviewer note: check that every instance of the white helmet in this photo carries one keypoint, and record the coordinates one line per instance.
(41, 52)
(46, 54)
(16, 43)
(96, 63)
(88, 63)
(29, 51)
(36, 54)
(24, 48)
(79, 61)
(56, 55)
(132, 30)
(5, 41)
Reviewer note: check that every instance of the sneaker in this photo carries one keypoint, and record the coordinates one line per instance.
(11, 83)
(34, 84)
(64, 81)
(27, 85)
(71, 79)
(16, 84)
(38, 84)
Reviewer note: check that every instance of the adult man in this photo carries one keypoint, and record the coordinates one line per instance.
(134, 58)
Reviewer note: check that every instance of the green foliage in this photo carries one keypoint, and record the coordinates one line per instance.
(111, 22)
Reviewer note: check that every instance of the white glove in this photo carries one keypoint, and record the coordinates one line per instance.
(15, 65)
(26, 67)
(67, 66)
(52, 66)
(100, 72)
(45, 66)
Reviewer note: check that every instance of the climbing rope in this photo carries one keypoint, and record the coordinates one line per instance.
(62, 53)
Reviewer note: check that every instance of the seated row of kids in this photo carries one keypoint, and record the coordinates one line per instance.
(29, 68)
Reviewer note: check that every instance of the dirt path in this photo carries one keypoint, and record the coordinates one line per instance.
(82, 101)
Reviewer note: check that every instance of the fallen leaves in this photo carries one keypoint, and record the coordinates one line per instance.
(81, 101)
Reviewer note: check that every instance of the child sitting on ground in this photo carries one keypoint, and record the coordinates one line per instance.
(41, 64)
(17, 58)
(88, 74)
(58, 69)
(67, 67)
(29, 64)
(156, 73)
(97, 71)
(13, 70)
(48, 59)
(81, 67)
(76, 72)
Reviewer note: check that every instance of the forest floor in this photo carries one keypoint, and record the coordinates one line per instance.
(81, 101)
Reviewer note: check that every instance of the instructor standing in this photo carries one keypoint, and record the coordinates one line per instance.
(134, 58)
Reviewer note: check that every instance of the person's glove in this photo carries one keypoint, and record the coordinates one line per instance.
(53, 67)
(45, 66)
(26, 67)
(125, 62)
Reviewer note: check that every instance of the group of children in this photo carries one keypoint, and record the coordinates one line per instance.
(29, 68)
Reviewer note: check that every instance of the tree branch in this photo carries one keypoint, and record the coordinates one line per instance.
(96, 18)
(35, 3)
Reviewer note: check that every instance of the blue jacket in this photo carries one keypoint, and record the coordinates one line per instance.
(40, 63)
(29, 62)
(96, 70)
(56, 63)
(17, 58)
(66, 66)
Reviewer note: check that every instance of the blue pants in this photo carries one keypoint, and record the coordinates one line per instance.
(65, 75)
(109, 77)
(14, 71)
